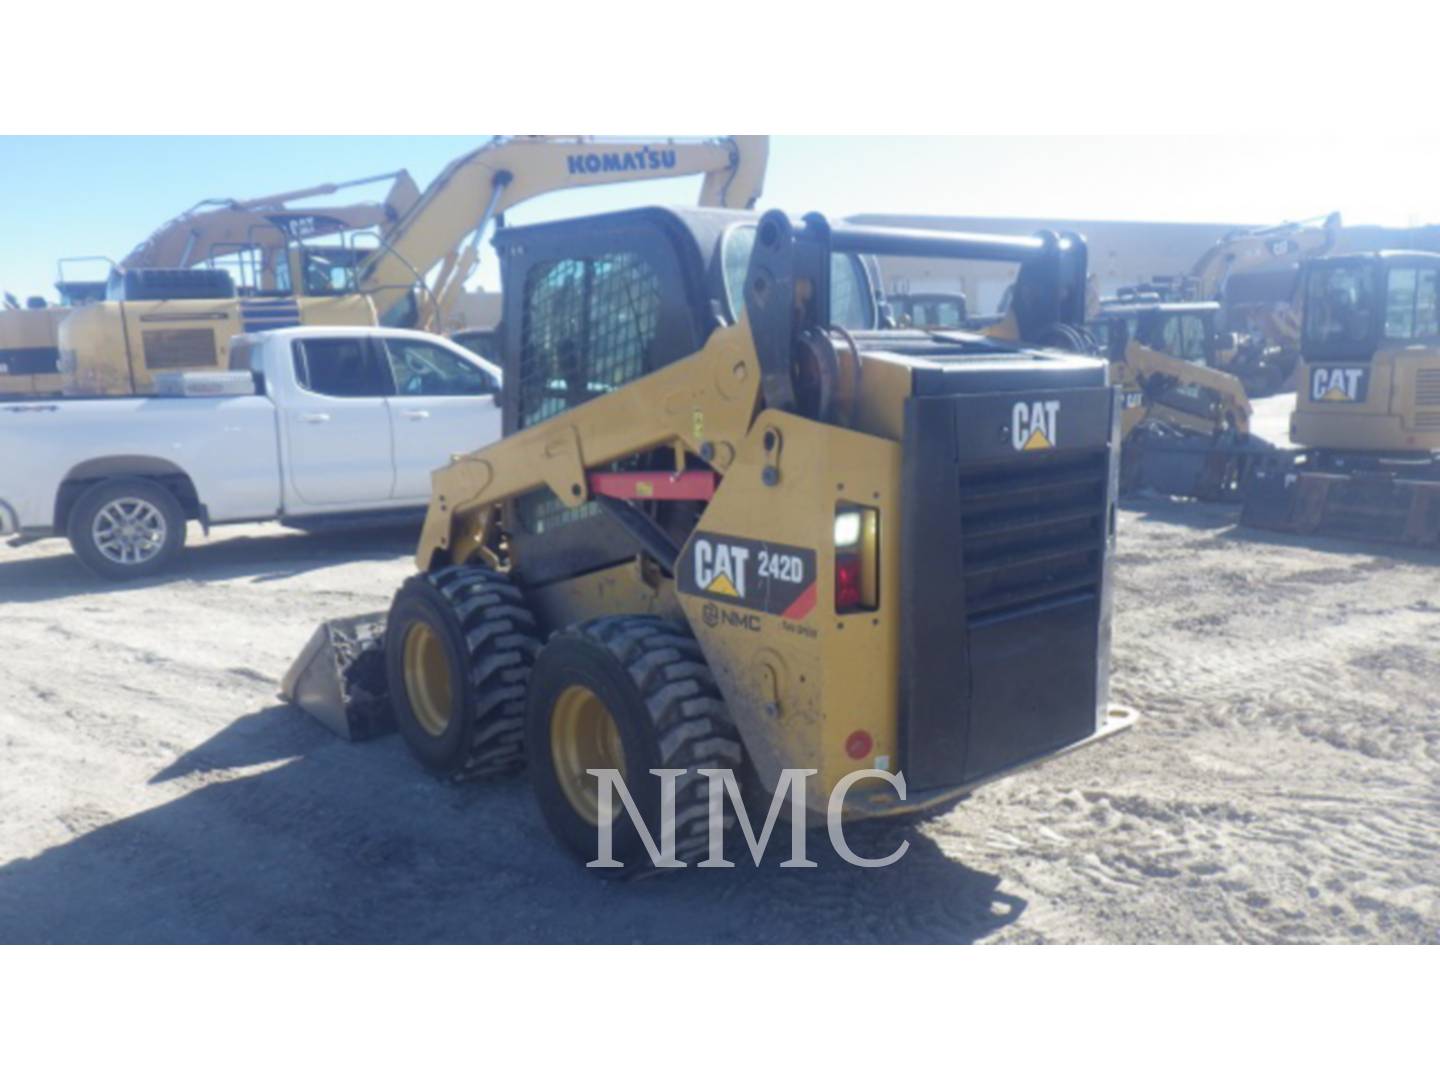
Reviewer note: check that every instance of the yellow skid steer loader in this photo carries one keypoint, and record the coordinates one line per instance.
(732, 525)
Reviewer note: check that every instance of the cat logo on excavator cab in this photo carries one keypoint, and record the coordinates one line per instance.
(1032, 425)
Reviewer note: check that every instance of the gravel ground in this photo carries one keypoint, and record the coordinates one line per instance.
(1281, 785)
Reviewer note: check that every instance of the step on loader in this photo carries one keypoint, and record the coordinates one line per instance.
(732, 525)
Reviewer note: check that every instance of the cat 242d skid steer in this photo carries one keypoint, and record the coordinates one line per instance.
(734, 525)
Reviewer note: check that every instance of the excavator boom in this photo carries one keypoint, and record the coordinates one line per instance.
(475, 189)
(217, 226)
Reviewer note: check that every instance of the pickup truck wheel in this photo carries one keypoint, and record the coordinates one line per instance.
(124, 529)
(459, 643)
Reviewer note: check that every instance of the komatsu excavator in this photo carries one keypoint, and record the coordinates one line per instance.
(253, 240)
(164, 318)
(1185, 425)
(734, 525)
(1367, 416)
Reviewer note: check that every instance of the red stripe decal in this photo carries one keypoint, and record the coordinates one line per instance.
(803, 605)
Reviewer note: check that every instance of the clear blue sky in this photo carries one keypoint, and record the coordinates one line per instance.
(102, 195)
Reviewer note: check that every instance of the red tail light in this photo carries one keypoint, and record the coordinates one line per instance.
(857, 547)
(847, 582)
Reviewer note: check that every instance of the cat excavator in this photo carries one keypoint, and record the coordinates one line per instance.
(1366, 424)
(158, 317)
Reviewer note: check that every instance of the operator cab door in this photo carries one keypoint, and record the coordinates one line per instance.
(444, 403)
(338, 424)
(587, 312)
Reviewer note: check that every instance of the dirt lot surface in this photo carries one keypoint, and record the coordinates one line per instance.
(1281, 786)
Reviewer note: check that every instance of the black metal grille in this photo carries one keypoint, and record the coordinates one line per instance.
(1032, 531)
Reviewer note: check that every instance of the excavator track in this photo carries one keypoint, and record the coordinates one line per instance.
(1364, 497)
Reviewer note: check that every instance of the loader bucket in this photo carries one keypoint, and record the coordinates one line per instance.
(1364, 505)
(339, 677)
(1196, 466)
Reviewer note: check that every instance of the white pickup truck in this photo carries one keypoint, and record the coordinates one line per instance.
(330, 421)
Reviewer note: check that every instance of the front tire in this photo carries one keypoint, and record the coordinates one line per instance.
(126, 529)
(633, 693)
(459, 645)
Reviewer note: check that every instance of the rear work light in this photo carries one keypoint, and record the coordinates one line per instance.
(857, 558)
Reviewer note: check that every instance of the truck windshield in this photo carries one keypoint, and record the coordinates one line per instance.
(1340, 305)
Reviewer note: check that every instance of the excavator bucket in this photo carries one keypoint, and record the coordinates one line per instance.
(339, 677)
(1284, 495)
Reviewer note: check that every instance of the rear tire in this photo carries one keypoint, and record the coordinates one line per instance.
(649, 676)
(459, 645)
(126, 529)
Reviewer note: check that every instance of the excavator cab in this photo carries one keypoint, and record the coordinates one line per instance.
(1370, 354)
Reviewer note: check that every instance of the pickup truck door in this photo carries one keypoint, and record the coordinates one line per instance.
(337, 423)
(444, 403)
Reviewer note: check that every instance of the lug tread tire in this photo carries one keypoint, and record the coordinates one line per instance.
(687, 714)
(501, 643)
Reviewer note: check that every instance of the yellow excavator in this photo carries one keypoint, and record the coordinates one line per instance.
(168, 318)
(1185, 425)
(251, 239)
(1367, 415)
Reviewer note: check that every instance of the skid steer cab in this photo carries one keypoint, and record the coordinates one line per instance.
(736, 525)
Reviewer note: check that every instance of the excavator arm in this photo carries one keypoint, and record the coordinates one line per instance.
(219, 226)
(1252, 249)
(475, 189)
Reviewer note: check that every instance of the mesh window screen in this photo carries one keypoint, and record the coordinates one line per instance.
(588, 328)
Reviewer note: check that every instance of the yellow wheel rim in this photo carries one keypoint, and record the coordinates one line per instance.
(583, 736)
(427, 679)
